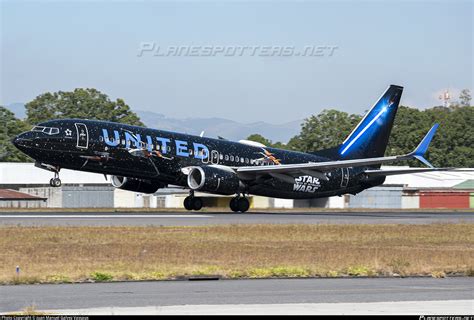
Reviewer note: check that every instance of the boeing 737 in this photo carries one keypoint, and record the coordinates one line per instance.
(143, 160)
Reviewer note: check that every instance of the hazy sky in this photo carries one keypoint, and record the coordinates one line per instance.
(424, 46)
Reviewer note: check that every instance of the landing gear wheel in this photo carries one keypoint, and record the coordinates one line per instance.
(239, 204)
(233, 204)
(56, 182)
(187, 203)
(196, 203)
(243, 204)
(193, 203)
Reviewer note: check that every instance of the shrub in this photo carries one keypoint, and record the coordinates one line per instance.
(101, 276)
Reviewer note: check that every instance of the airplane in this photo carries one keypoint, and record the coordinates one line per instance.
(143, 160)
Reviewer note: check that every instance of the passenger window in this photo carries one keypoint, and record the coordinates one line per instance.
(236, 159)
(242, 160)
(221, 156)
(226, 157)
(247, 160)
(231, 158)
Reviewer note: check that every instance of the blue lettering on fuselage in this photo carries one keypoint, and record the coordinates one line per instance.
(149, 145)
(200, 151)
(181, 148)
(132, 137)
(132, 140)
(113, 143)
(164, 144)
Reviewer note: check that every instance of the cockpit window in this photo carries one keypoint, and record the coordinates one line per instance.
(46, 130)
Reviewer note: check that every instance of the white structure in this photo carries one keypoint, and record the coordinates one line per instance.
(15, 173)
(440, 179)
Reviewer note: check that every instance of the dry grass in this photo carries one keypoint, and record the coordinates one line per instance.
(65, 254)
(28, 311)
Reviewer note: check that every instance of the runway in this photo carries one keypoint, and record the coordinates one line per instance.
(216, 218)
(336, 296)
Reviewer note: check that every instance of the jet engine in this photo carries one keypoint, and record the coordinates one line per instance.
(213, 179)
(137, 185)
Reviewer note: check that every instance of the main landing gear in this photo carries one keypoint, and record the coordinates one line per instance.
(193, 203)
(239, 204)
(55, 182)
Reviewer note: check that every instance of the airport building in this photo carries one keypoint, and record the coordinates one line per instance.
(22, 185)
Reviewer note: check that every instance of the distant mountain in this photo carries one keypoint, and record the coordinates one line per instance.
(18, 109)
(226, 128)
(212, 127)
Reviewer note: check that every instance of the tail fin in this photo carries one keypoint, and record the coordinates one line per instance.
(369, 139)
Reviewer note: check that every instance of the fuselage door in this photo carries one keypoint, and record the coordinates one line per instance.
(214, 157)
(82, 136)
(345, 177)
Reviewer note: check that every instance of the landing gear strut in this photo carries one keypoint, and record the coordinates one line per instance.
(55, 182)
(192, 203)
(239, 204)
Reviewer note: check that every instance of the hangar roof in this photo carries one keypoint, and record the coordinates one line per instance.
(7, 194)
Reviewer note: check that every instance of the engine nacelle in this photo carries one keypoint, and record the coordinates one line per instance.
(137, 185)
(213, 179)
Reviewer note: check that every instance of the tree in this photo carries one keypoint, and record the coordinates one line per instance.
(259, 138)
(465, 98)
(326, 130)
(80, 103)
(11, 127)
(453, 144)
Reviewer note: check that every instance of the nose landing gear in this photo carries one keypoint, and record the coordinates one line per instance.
(239, 204)
(55, 182)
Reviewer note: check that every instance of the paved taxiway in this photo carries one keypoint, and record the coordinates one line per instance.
(213, 218)
(449, 295)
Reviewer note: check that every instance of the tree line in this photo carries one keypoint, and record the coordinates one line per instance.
(453, 145)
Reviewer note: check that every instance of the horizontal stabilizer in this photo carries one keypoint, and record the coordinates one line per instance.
(420, 151)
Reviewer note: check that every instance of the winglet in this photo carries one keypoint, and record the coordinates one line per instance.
(423, 146)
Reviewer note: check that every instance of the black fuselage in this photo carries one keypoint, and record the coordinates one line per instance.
(159, 156)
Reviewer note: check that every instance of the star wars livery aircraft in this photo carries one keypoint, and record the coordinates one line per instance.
(144, 160)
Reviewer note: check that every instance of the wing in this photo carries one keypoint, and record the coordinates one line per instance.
(319, 168)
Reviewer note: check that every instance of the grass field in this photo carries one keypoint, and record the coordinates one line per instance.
(65, 254)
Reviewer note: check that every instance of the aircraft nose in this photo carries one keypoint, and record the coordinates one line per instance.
(21, 140)
(16, 141)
